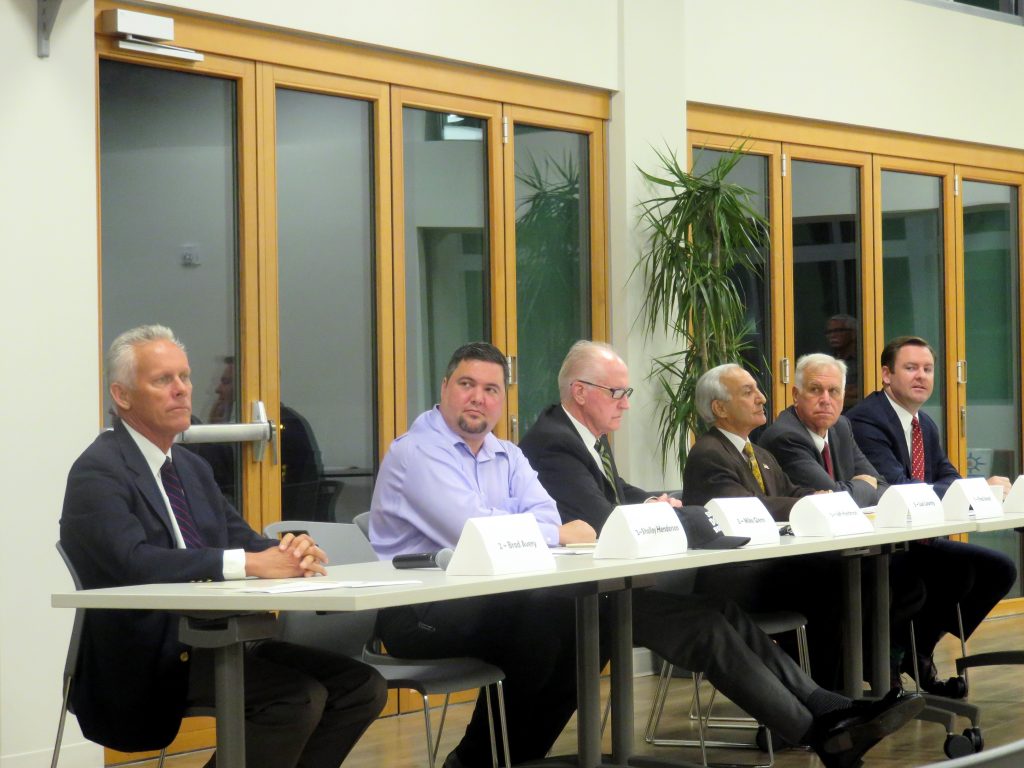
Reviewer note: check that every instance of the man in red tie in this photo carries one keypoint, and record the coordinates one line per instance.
(814, 442)
(902, 442)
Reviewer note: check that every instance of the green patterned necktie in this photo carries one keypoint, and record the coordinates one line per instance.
(606, 462)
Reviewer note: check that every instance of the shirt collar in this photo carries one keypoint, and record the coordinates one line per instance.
(588, 437)
(819, 441)
(737, 441)
(154, 457)
(902, 413)
(488, 450)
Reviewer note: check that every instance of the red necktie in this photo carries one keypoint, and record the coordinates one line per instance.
(826, 456)
(916, 450)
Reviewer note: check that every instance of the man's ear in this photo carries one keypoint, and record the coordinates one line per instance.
(795, 392)
(120, 395)
(886, 375)
(717, 408)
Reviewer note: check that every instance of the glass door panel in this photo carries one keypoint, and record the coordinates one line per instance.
(170, 242)
(992, 336)
(325, 239)
(826, 245)
(446, 244)
(552, 235)
(913, 254)
(751, 172)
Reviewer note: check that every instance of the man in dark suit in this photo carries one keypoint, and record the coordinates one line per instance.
(138, 510)
(813, 441)
(722, 463)
(903, 444)
(568, 447)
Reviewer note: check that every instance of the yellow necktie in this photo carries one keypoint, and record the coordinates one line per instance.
(748, 449)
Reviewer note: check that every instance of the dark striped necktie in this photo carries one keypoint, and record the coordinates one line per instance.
(179, 505)
(606, 463)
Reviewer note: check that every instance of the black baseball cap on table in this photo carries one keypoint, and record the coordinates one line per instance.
(702, 532)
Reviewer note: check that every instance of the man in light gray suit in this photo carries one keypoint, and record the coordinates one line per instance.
(814, 442)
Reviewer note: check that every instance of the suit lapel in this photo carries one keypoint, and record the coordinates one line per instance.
(739, 461)
(896, 429)
(144, 480)
(583, 451)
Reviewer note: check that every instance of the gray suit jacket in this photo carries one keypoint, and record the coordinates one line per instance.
(788, 441)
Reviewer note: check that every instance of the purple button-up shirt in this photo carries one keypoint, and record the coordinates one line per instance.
(430, 484)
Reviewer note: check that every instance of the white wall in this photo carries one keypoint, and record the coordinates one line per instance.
(891, 64)
(48, 345)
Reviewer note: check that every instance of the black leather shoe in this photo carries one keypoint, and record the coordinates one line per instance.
(842, 737)
(452, 761)
(928, 679)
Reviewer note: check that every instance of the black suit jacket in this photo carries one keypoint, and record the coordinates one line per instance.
(132, 677)
(715, 469)
(788, 441)
(878, 432)
(568, 471)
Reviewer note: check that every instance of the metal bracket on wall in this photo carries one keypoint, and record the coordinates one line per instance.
(46, 14)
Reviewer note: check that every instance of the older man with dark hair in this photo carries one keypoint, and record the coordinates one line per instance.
(140, 510)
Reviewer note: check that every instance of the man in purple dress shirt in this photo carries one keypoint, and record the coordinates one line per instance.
(448, 468)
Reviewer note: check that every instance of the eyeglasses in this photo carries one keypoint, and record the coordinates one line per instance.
(617, 393)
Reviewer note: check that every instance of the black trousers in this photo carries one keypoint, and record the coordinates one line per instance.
(810, 584)
(950, 572)
(303, 707)
(716, 637)
(529, 635)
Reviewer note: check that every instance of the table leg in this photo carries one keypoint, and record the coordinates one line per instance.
(880, 640)
(853, 629)
(588, 684)
(622, 675)
(229, 682)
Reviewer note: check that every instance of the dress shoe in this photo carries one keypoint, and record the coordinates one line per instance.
(842, 737)
(928, 678)
(453, 761)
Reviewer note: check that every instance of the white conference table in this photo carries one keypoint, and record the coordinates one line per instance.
(224, 618)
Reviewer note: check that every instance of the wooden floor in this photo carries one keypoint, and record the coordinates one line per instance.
(397, 742)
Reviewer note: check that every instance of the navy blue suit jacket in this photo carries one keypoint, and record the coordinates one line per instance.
(788, 441)
(878, 432)
(569, 473)
(132, 678)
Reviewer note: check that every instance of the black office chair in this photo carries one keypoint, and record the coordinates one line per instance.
(71, 668)
(353, 635)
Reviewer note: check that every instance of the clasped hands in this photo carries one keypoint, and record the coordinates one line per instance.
(293, 556)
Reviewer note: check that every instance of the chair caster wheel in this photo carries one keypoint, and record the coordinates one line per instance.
(958, 746)
(977, 740)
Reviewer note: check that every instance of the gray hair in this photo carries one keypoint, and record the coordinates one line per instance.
(120, 362)
(814, 361)
(583, 361)
(710, 388)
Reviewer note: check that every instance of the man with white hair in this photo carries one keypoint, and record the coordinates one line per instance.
(141, 510)
(813, 441)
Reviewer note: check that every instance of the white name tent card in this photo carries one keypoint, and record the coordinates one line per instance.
(745, 516)
(641, 530)
(1013, 504)
(493, 546)
(828, 515)
(907, 506)
(970, 498)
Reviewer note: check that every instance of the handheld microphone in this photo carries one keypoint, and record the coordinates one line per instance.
(439, 559)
